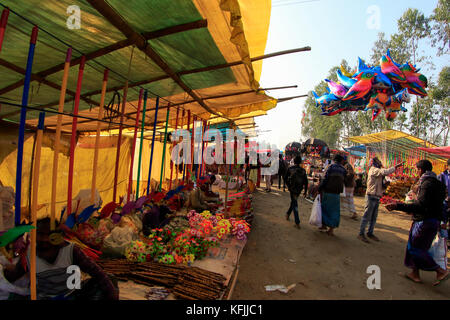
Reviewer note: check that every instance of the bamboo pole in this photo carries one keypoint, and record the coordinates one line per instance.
(3, 23)
(58, 138)
(23, 116)
(182, 126)
(188, 128)
(173, 144)
(164, 150)
(34, 205)
(141, 145)
(153, 146)
(119, 142)
(97, 136)
(133, 148)
(73, 138)
(194, 118)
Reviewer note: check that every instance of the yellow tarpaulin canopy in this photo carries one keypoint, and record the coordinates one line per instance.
(388, 136)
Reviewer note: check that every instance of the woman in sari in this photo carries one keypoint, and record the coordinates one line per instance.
(427, 215)
(330, 190)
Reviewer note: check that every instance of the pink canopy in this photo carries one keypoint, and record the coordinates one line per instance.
(440, 151)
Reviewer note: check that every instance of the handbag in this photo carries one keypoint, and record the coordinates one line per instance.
(316, 213)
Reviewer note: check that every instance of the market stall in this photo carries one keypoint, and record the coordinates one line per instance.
(73, 104)
(393, 147)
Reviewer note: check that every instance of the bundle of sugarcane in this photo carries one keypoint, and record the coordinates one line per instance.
(186, 282)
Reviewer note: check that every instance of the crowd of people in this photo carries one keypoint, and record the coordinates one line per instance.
(429, 210)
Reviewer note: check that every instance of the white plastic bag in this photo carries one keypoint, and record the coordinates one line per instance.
(438, 251)
(316, 213)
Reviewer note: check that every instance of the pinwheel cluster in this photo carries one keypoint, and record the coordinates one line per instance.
(383, 87)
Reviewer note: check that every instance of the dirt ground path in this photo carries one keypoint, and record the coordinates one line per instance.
(324, 267)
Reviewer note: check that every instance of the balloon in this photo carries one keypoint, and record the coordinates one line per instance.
(345, 81)
(336, 88)
(360, 88)
(383, 87)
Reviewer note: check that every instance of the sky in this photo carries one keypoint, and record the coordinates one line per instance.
(335, 30)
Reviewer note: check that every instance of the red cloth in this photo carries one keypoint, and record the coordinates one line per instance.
(440, 151)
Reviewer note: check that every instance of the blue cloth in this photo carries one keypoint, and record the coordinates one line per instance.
(331, 209)
(421, 236)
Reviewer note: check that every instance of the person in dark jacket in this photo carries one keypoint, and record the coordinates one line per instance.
(330, 189)
(297, 181)
(282, 170)
(427, 215)
(444, 177)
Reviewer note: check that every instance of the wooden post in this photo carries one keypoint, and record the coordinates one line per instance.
(62, 97)
(119, 141)
(173, 144)
(164, 150)
(133, 148)
(97, 136)
(187, 165)
(194, 118)
(23, 116)
(74, 137)
(141, 145)
(153, 146)
(34, 205)
(3, 23)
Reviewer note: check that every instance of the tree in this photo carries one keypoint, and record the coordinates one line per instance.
(322, 127)
(441, 28)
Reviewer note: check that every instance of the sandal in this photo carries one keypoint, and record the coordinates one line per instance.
(442, 280)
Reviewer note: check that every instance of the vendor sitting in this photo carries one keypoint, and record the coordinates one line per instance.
(206, 188)
(52, 262)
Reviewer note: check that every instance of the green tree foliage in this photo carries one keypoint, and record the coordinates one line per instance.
(441, 28)
(318, 126)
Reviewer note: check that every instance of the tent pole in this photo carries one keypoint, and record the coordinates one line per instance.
(3, 23)
(173, 144)
(133, 148)
(119, 141)
(73, 137)
(186, 166)
(23, 116)
(97, 136)
(58, 137)
(153, 146)
(164, 150)
(141, 144)
(34, 204)
(182, 127)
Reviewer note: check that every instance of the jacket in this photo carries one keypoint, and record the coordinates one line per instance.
(375, 181)
(334, 179)
(444, 177)
(291, 171)
(429, 203)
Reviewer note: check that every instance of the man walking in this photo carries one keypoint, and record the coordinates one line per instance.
(374, 193)
(282, 169)
(296, 180)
